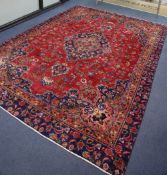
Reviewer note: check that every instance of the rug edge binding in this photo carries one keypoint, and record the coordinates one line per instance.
(55, 142)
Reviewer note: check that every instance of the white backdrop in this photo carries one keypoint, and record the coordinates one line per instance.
(13, 9)
(49, 2)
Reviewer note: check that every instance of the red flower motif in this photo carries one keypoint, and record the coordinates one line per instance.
(133, 130)
(118, 149)
(129, 120)
(80, 145)
(109, 152)
(49, 128)
(21, 103)
(76, 135)
(47, 118)
(119, 164)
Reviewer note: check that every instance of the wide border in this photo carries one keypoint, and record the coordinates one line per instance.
(54, 141)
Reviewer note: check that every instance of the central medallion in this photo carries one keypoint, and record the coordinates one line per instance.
(86, 45)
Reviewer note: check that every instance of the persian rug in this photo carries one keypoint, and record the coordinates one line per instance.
(82, 79)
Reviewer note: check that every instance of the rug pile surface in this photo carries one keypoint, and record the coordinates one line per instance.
(83, 79)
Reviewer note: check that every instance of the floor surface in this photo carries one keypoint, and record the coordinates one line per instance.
(24, 152)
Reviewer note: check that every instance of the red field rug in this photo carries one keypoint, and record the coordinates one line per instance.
(83, 79)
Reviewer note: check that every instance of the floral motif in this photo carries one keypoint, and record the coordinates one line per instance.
(59, 69)
(85, 86)
(47, 81)
(86, 45)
